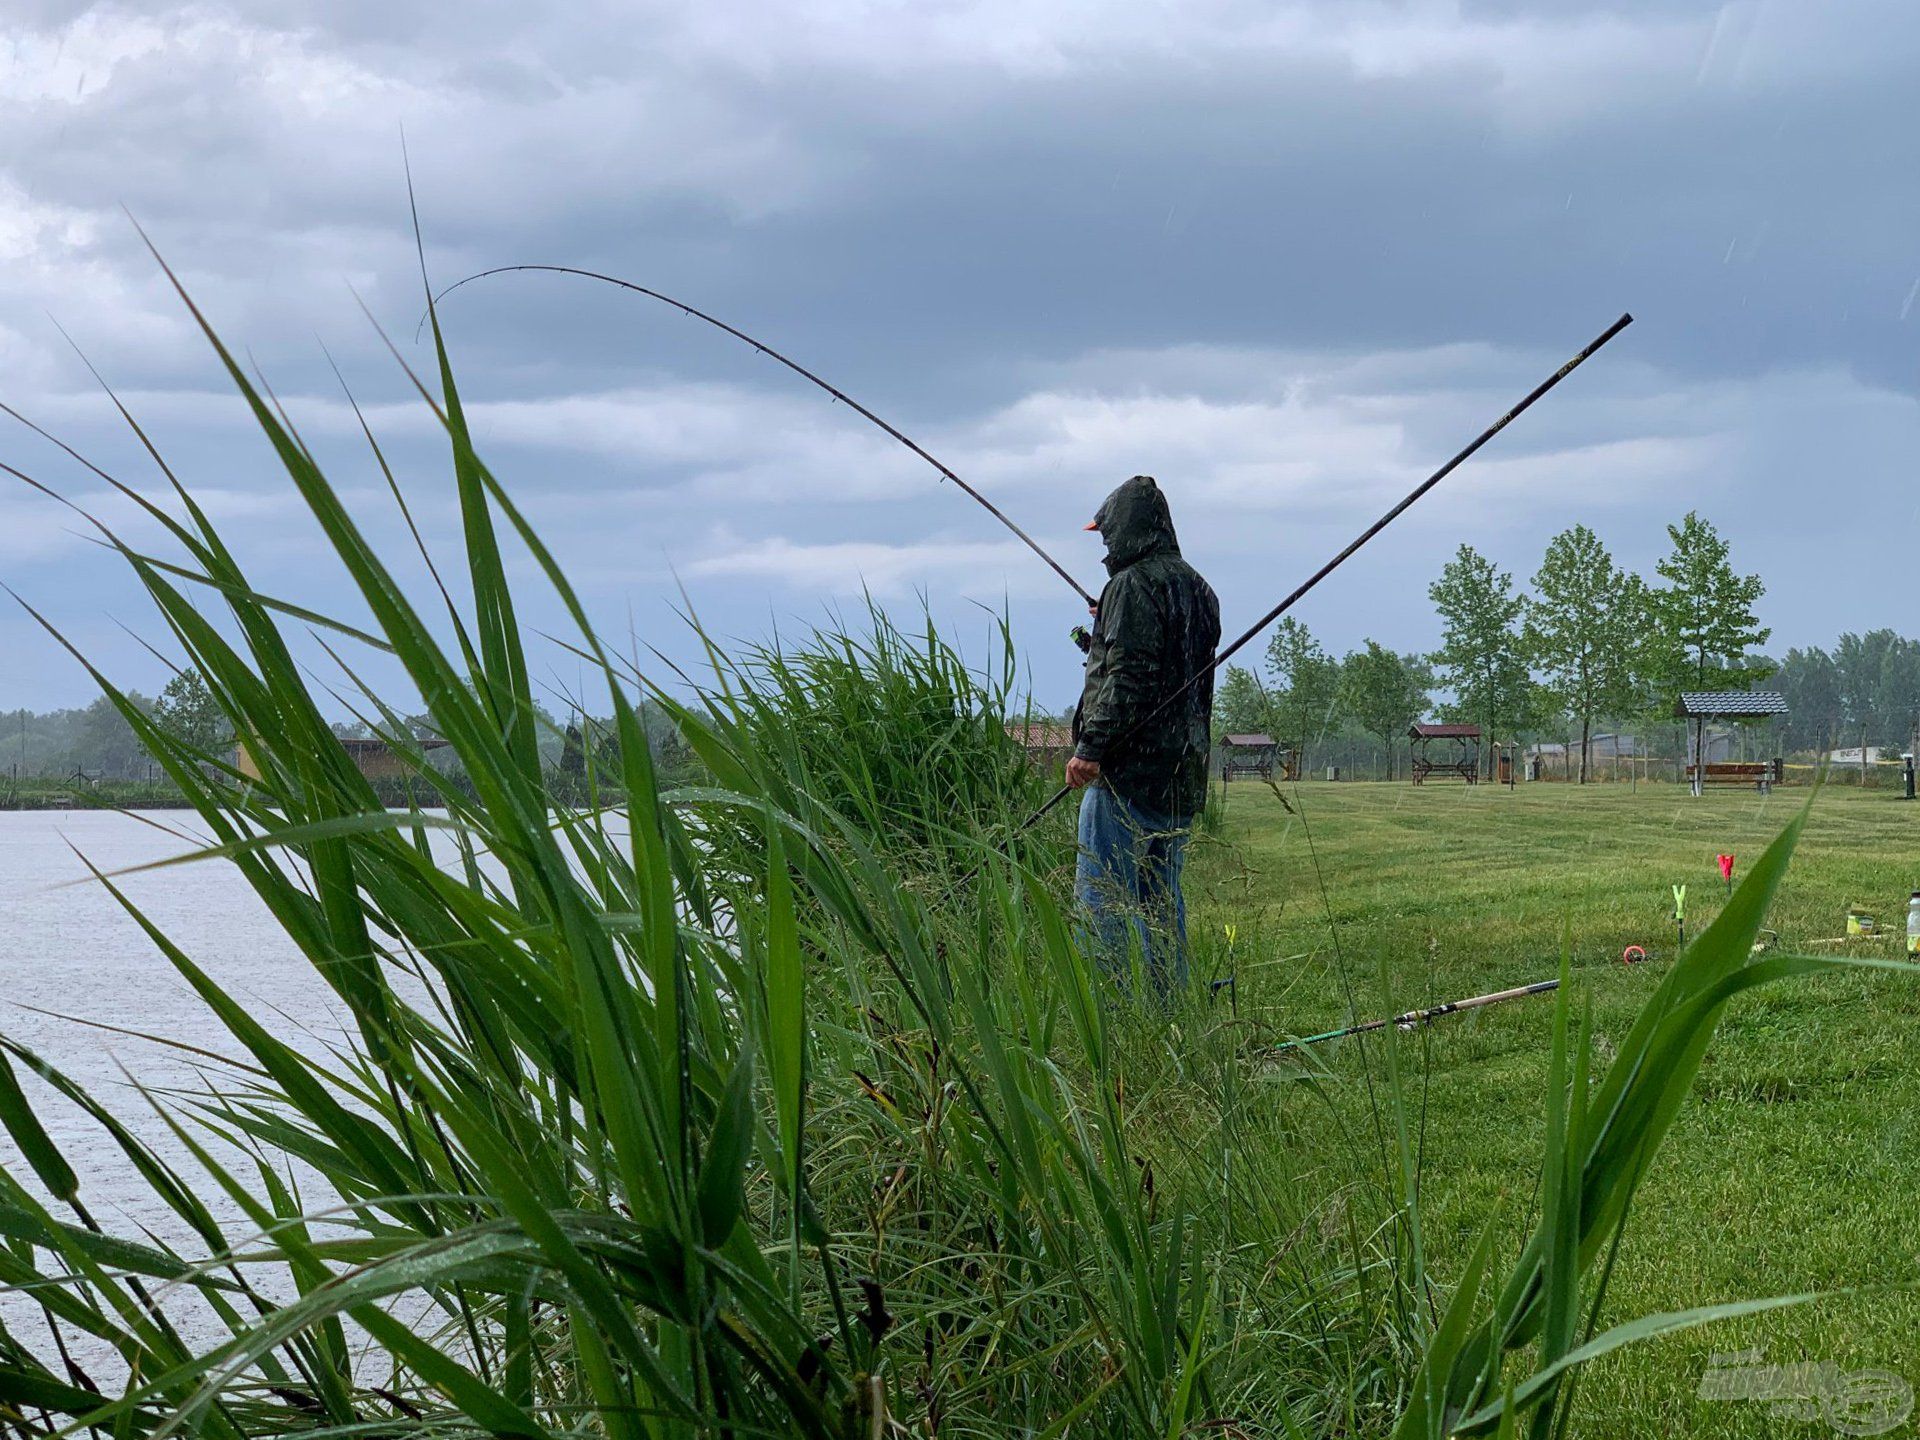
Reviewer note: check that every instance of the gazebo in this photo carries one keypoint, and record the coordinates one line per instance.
(1700, 706)
(1247, 755)
(1460, 755)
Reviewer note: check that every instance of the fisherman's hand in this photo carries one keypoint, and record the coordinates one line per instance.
(1081, 773)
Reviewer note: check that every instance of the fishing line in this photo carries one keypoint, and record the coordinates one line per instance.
(1335, 563)
(798, 369)
(1326, 905)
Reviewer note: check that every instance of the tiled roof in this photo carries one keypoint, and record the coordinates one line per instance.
(1249, 739)
(1711, 704)
(1419, 730)
(1040, 734)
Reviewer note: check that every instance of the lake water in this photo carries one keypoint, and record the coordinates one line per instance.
(71, 949)
(72, 953)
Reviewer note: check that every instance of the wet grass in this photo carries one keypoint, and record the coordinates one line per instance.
(1794, 1165)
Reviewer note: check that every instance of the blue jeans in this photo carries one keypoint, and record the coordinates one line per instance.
(1127, 883)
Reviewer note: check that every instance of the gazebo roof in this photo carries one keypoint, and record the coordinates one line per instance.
(1248, 740)
(1420, 730)
(1721, 704)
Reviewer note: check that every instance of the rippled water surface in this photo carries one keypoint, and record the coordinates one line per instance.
(72, 953)
(72, 949)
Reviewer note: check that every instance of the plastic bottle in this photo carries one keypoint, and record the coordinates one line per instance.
(1913, 924)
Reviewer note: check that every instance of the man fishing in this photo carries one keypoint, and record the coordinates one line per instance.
(1155, 627)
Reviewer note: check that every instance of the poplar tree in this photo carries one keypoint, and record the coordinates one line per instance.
(573, 752)
(1382, 692)
(1703, 616)
(1815, 709)
(1480, 656)
(1861, 663)
(1304, 683)
(1582, 632)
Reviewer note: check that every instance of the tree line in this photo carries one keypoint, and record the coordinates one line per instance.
(1590, 641)
(1865, 692)
(95, 742)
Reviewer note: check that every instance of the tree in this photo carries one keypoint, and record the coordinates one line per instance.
(1304, 684)
(673, 758)
(1421, 682)
(1582, 630)
(104, 743)
(1859, 663)
(1239, 704)
(1703, 616)
(605, 736)
(1480, 656)
(1815, 712)
(573, 754)
(1383, 692)
(187, 711)
(1899, 698)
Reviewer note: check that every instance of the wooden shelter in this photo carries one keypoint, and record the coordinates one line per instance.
(1700, 706)
(1254, 755)
(1459, 751)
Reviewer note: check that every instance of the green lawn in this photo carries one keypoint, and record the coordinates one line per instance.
(1796, 1165)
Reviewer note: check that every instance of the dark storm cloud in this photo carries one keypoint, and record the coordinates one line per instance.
(1287, 257)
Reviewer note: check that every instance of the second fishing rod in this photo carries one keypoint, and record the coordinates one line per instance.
(1229, 651)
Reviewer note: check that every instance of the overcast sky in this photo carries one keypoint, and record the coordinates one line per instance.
(1285, 257)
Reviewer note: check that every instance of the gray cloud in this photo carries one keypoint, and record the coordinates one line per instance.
(1287, 257)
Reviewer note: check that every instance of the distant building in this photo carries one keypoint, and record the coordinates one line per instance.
(376, 759)
(1850, 755)
(1606, 746)
(1616, 747)
(1047, 742)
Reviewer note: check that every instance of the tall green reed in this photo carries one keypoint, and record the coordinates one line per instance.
(662, 1154)
(719, 1110)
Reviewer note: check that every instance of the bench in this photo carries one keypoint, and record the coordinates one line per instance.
(1761, 774)
(1466, 768)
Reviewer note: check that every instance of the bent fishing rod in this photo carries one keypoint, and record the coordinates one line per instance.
(1335, 563)
(805, 374)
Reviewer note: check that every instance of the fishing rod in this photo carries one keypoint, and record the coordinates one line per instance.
(1764, 940)
(1335, 563)
(805, 374)
(1423, 1017)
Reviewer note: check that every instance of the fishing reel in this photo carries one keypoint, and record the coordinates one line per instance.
(1082, 637)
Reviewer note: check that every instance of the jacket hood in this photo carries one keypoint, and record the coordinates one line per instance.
(1135, 523)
